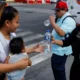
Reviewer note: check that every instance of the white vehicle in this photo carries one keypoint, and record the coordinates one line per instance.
(74, 9)
(53, 1)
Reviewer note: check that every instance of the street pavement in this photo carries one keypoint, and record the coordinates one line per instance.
(32, 31)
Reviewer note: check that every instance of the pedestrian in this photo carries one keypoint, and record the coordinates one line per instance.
(74, 38)
(9, 22)
(64, 25)
(17, 51)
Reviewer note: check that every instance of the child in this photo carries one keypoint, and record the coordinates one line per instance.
(17, 50)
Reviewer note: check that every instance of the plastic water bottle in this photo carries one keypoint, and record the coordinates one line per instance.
(47, 23)
(47, 43)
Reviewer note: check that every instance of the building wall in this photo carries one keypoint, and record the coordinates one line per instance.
(10, 0)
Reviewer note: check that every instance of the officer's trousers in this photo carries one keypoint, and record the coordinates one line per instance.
(58, 66)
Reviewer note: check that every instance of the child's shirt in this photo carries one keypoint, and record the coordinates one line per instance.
(18, 74)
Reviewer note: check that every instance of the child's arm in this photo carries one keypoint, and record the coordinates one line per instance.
(7, 58)
(29, 62)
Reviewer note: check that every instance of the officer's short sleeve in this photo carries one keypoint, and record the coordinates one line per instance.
(68, 25)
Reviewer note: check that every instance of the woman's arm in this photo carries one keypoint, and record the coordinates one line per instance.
(16, 66)
(36, 48)
(7, 58)
(29, 50)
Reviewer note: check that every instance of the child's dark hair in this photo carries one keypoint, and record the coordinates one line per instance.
(16, 45)
(6, 13)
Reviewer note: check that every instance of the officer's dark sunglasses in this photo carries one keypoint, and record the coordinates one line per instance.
(57, 10)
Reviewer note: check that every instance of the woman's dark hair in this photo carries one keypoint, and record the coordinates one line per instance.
(16, 45)
(6, 13)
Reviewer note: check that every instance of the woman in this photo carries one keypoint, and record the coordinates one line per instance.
(9, 22)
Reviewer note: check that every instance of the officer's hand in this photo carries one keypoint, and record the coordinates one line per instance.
(52, 39)
(52, 19)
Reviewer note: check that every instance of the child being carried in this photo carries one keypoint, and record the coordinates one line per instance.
(17, 50)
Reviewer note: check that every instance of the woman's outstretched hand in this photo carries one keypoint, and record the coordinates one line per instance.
(38, 48)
